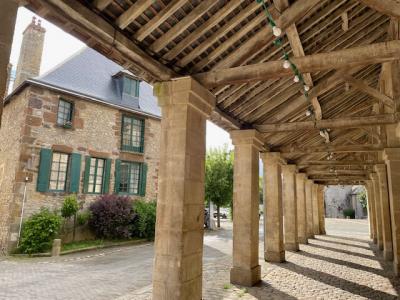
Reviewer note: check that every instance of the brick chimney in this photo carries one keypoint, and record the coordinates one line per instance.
(30, 55)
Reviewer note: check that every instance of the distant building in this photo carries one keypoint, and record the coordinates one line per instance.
(338, 198)
(87, 127)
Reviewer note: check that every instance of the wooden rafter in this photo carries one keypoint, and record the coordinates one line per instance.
(387, 7)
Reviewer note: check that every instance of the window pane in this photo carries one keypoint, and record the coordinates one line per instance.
(132, 133)
(95, 180)
(64, 114)
(58, 173)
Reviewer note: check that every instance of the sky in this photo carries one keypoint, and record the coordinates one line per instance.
(59, 45)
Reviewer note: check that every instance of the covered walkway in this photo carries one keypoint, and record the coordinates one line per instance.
(311, 86)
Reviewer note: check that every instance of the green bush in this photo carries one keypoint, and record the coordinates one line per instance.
(39, 231)
(70, 207)
(349, 212)
(145, 220)
(83, 217)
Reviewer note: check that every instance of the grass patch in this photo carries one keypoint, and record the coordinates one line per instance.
(93, 243)
(227, 286)
(81, 245)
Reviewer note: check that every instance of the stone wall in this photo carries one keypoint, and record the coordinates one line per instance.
(96, 131)
(10, 136)
(338, 198)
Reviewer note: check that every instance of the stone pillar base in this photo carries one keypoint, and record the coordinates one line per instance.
(380, 246)
(246, 277)
(311, 236)
(396, 268)
(303, 240)
(375, 240)
(388, 255)
(322, 232)
(276, 257)
(291, 247)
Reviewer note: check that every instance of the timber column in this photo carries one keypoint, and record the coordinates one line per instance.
(371, 210)
(321, 209)
(301, 208)
(246, 269)
(378, 218)
(385, 212)
(177, 271)
(273, 208)
(309, 204)
(8, 16)
(315, 208)
(290, 207)
(392, 159)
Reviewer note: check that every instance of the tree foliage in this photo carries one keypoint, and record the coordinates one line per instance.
(70, 207)
(219, 177)
(362, 197)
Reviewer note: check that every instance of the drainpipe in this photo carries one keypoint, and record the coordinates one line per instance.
(22, 211)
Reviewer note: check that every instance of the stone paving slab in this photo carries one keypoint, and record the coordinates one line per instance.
(329, 267)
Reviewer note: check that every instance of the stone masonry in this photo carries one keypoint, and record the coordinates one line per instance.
(29, 124)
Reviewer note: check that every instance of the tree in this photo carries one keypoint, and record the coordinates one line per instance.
(362, 197)
(69, 209)
(219, 178)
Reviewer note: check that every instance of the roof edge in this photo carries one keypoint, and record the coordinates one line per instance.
(85, 97)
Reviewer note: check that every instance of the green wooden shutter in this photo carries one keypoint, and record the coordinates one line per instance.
(106, 178)
(117, 175)
(75, 172)
(87, 173)
(142, 137)
(143, 179)
(44, 170)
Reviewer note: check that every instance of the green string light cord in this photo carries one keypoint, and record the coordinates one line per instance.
(279, 43)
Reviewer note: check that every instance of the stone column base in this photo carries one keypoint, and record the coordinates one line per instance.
(291, 247)
(388, 255)
(303, 240)
(246, 277)
(276, 257)
(396, 267)
(375, 240)
(322, 232)
(311, 236)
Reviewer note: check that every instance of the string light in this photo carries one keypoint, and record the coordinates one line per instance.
(277, 32)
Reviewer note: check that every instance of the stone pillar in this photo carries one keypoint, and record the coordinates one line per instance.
(378, 218)
(177, 271)
(371, 210)
(321, 209)
(309, 204)
(246, 269)
(273, 208)
(385, 212)
(8, 16)
(56, 247)
(301, 208)
(290, 207)
(315, 209)
(392, 159)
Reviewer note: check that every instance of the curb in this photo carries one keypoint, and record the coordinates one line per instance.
(119, 244)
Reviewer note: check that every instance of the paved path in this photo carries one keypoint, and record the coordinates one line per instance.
(336, 266)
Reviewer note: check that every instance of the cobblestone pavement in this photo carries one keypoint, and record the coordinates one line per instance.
(335, 266)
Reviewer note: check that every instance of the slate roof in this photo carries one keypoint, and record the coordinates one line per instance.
(90, 74)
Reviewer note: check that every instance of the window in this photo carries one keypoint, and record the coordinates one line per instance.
(132, 134)
(96, 175)
(64, 115)
(58, 172)
(131, 87)
(130, 178)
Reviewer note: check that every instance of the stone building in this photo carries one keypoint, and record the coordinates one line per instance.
(87, 127)
(338, 198)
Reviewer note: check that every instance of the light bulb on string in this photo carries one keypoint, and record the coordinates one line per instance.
(306, 88)
(296, 78)
(308, 112)
(286, 64)
(276, 31)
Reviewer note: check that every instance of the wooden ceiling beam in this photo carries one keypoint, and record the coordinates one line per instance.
(337, 163)
(182, 25)
(349, 122)
(330, 149)
(347, 58)
(291, 15)
(132, 13)
(105, 34)
(160, 18)
(387, 7)
(363, 87)
(101, 4)
(206, 26)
